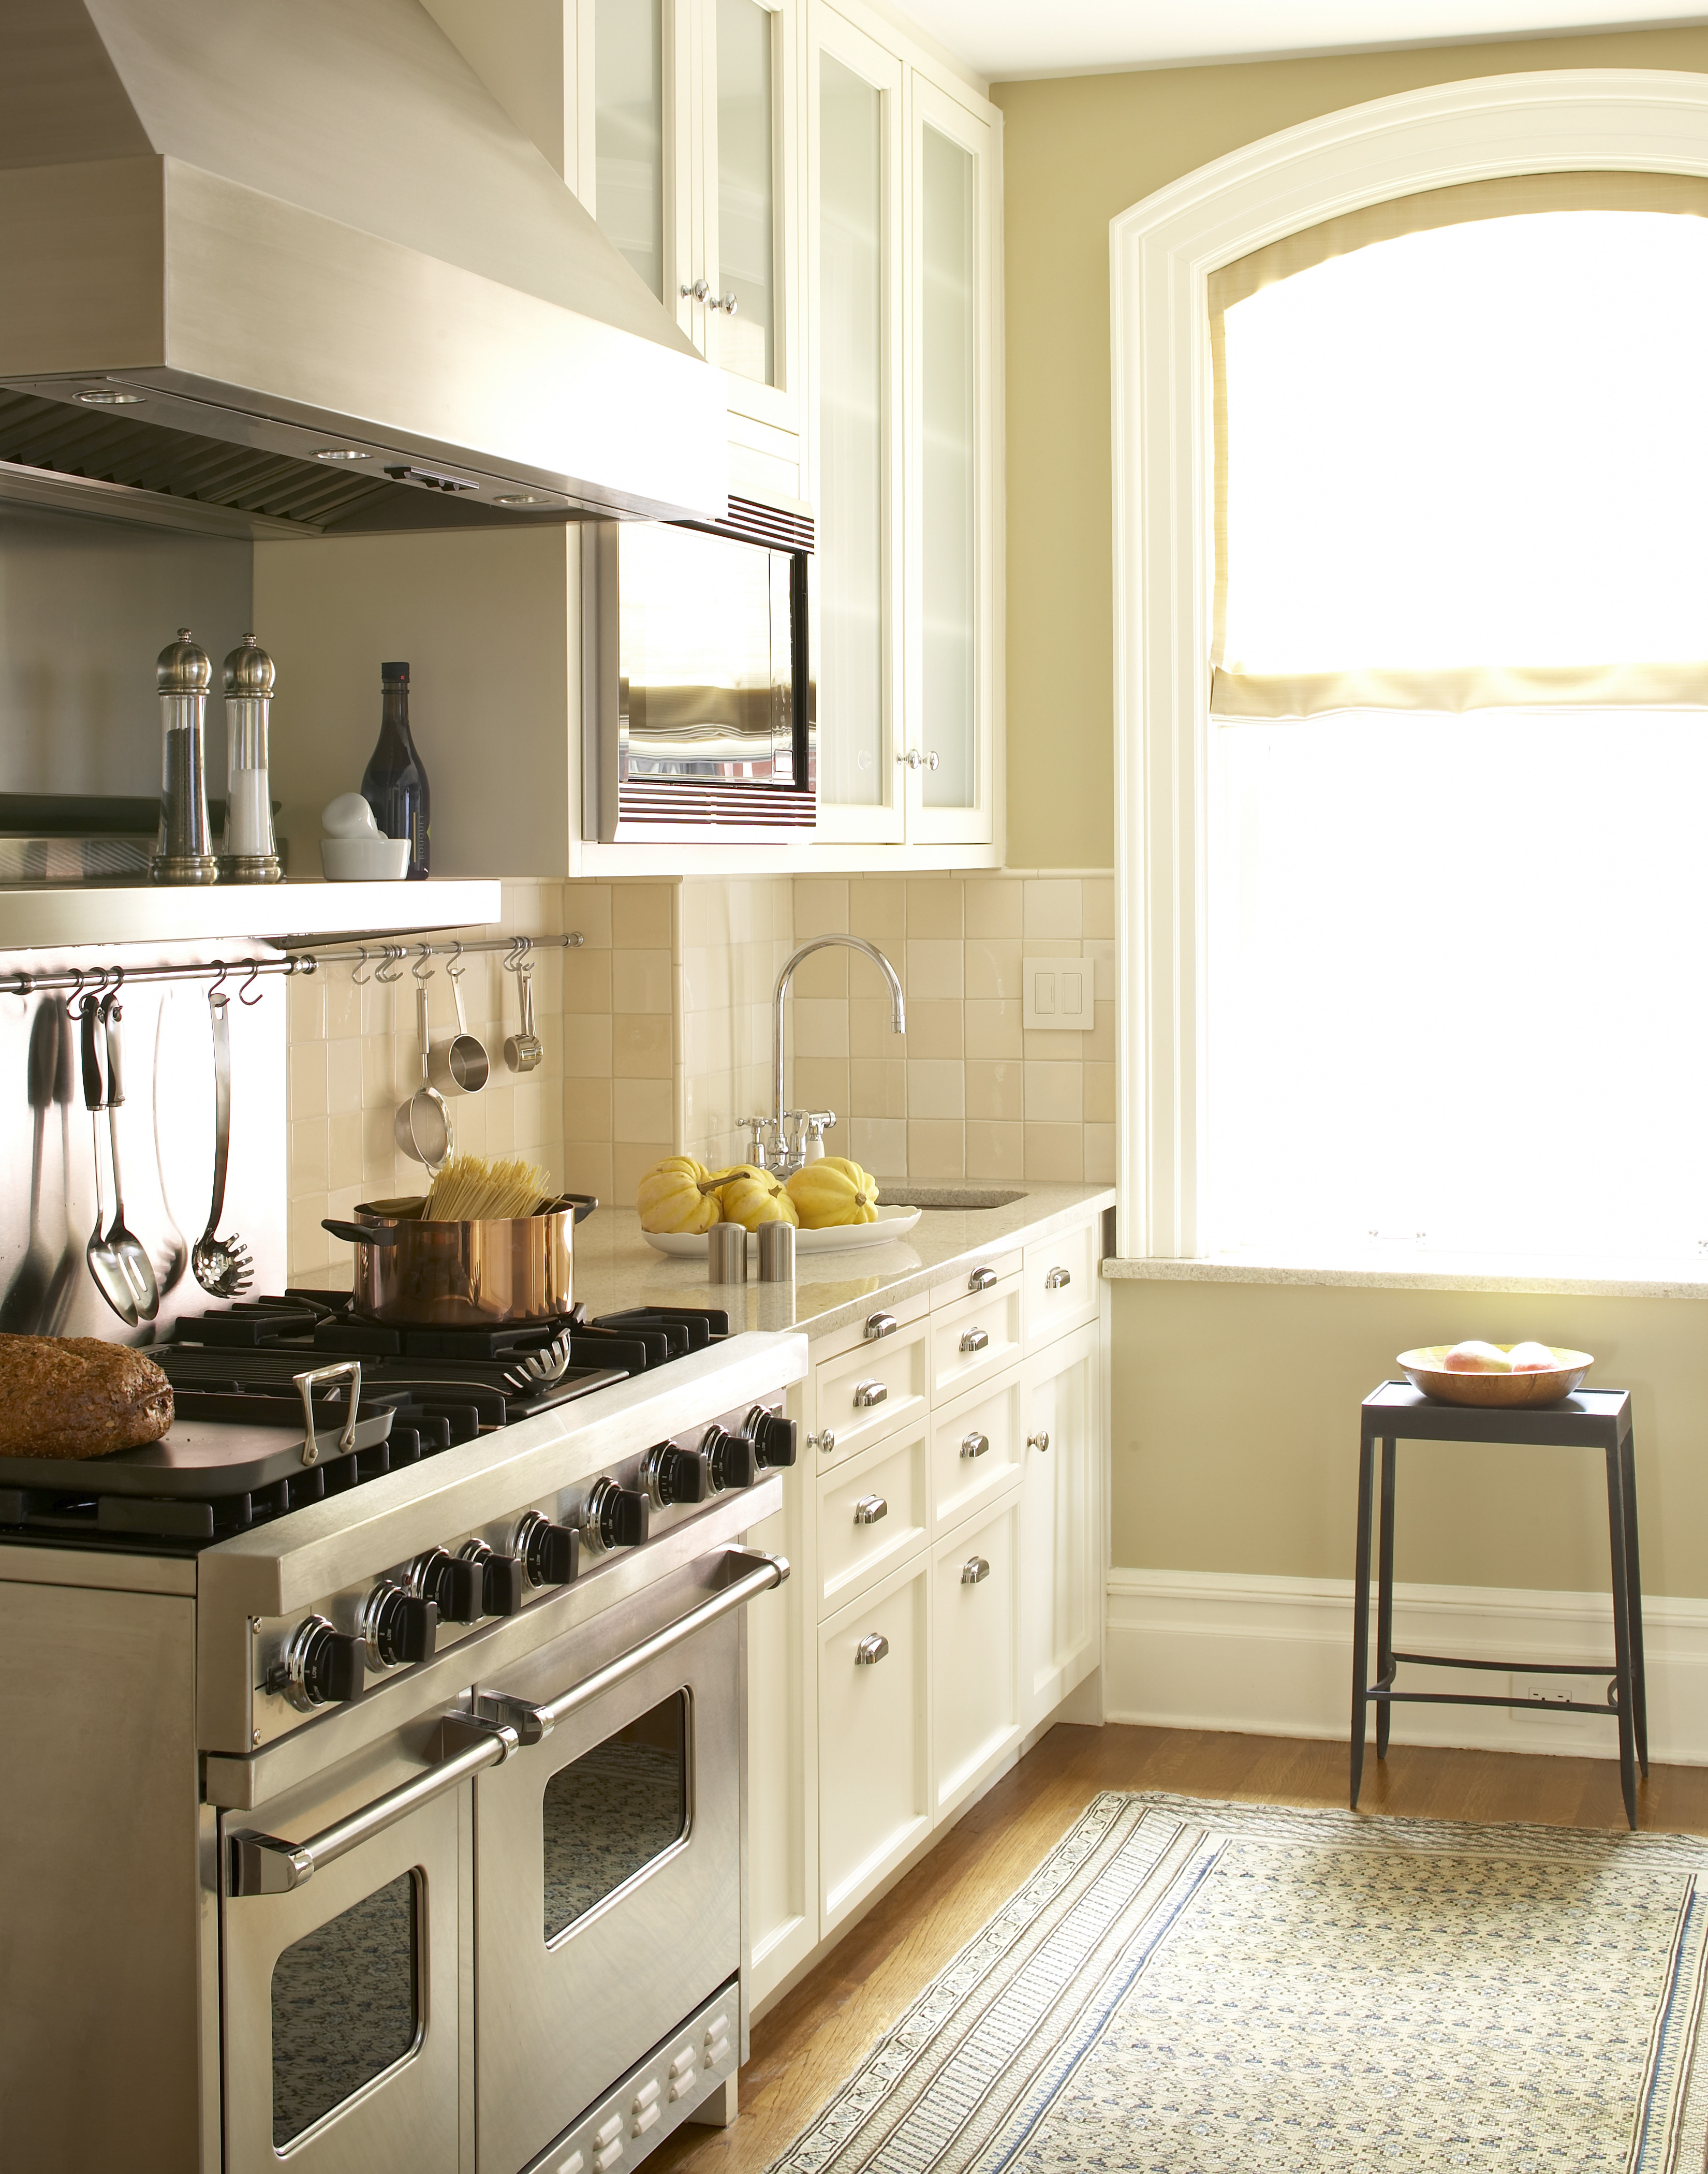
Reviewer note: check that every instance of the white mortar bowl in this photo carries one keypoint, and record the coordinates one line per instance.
(364, 860)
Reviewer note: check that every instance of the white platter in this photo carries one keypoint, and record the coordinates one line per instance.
(892, 1223)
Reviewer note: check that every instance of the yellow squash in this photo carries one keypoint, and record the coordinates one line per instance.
(671, 1196)
(752, 1196)
(833, 1190)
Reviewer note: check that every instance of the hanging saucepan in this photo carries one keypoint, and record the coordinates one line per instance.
(482, 1274)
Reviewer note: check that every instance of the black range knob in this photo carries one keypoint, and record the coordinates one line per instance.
(732, 1458)
(398, 1626)
(613, 1516)
(550, 1555)
(773, 1438)
(675, 1475)
(321, 1666)
(500, 1578)
(451, 1583)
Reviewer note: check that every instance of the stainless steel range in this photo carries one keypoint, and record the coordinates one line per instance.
(372, 1784)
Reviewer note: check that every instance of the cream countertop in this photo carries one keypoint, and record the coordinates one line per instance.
(615, 1268)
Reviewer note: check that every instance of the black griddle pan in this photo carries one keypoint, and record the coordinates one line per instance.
(195, 1457)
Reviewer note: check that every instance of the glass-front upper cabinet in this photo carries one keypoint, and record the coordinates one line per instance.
(947, 749)
(628, 125)
(856, 210)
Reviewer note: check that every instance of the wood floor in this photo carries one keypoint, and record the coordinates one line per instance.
(815, 2038)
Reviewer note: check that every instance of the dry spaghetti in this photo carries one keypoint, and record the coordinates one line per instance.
(471, 1189)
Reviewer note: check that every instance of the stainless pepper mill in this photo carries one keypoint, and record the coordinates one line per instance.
(184, 853)
(249, 855)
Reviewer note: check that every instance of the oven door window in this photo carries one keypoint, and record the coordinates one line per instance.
(614, 1812)
(346, 2005)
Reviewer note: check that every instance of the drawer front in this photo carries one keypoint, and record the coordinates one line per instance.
(975, 1606)
(871, 1516)
(994, 1270)
(976, 1451)
(874, 1783)
(868, 1392)
(975, 1339)
(871, 1329)
(1061, 1278)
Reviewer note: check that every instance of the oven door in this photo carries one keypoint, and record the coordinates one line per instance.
(608, 1862)
(340, 1998)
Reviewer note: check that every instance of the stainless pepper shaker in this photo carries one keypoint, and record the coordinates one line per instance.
(777, 1252)
(183, 853)
(249, 855)
(726, 1253)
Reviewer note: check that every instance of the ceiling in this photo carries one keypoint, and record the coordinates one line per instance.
(1008, 38)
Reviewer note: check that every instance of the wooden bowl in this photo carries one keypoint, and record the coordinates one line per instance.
(1423, 1370)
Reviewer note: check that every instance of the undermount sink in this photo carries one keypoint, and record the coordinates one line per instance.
(950, 1196)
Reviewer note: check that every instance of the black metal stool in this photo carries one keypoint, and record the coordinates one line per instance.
(1593, 1418)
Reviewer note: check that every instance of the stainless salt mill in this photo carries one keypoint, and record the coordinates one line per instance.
(184, 853)
(249, 855)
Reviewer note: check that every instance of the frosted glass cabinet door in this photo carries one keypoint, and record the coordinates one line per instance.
(949, 600)
(745, 284)
(629, 124)
(856, 241)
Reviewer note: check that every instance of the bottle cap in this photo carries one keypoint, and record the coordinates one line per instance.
(394, 675)
(249, 669)
(183, 668)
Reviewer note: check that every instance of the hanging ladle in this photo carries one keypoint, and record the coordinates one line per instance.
(106, 1270)
(421, 1126)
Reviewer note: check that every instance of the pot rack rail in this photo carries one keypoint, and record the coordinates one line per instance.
(376, 962)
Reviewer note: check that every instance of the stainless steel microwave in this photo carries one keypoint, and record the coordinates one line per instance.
(698, 708)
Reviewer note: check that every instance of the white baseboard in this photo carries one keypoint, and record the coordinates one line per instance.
(1272, 1657)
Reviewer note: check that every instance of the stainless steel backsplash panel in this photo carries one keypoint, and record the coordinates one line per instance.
(166, 1138)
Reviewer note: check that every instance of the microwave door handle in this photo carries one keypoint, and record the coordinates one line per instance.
(262, 1864)
(755, 1573)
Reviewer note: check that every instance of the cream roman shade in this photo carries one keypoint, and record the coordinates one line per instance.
(1462, 453)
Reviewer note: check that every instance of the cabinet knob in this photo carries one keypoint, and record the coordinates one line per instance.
(868, 1394)
(824, 1443)
(871, 1650)
(982, 1279)
(880, 1324)
(919, 757)
(869, 1509)
(974, 1570)
(1057, 1280)
(974, 1339)
(1039, 1440)
(699, 290)
(728, 303)
(975, 1445)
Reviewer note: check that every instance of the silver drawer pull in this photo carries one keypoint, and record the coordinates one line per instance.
(868, 1394)
(975, 1570)
(982, 1279)
(976, 1339)
(869, 1509)
(824, 1443)
(871, 1650)
(880, 1324)
(975, 1444)
(1057, 1280)
(1039, 1440)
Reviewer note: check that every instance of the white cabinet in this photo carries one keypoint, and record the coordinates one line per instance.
(874, 1749)
(975, 1626)
(1061, 1520)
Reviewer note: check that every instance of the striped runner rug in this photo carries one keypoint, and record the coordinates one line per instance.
(1185, 1988)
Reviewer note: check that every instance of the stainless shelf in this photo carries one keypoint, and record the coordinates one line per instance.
(40, 916)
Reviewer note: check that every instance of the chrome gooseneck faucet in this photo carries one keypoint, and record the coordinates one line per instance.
(788, 1138)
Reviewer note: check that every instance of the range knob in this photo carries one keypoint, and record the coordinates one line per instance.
(732, 1458)
(500, 1578)
(670, 1474)
(320, 1665)
(613, 1517)
(773, 1438)
(550, 1555)
(397, 1626)
(450, 1582)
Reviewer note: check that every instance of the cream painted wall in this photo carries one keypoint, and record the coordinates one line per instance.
(1076, 151)
(1235, 1431)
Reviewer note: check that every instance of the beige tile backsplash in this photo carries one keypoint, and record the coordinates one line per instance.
(657, 1036)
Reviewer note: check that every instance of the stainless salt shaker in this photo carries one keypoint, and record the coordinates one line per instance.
(183, 853)
(249, 855)
(726, 1253)
(777, 1252)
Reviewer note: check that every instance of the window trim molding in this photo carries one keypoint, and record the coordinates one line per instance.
(1162, 252)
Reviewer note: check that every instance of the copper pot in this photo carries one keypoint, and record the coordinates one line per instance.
(482, 1274)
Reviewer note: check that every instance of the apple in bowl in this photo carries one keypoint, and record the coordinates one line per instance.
(1496, 1375)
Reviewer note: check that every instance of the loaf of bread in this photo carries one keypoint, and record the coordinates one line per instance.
(75, 1396)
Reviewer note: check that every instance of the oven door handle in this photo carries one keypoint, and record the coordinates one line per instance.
(756, 1573)
(262, 1864)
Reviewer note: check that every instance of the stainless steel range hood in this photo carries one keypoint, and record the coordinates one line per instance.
(290, 259)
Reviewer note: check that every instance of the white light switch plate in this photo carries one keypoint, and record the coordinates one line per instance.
(1058, 992)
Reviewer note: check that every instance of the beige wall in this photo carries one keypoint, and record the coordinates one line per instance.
(1236, 1427)
(1077, 151)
